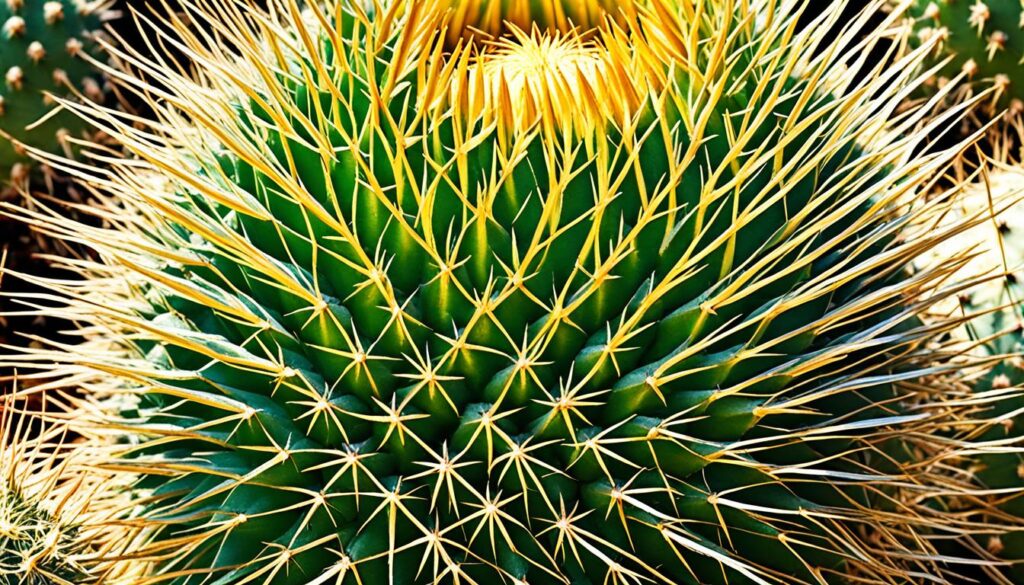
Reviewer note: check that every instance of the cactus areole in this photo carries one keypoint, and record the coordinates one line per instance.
(508, 292)
(41, 55)
(981, 43)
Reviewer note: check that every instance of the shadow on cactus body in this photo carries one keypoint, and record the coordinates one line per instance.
(586, 306)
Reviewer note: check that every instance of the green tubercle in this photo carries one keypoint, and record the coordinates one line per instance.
(41, 48)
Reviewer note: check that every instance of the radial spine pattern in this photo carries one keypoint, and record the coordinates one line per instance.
(623, 302)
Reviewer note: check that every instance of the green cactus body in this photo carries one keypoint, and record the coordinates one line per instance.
(559, 310)
(983, 38)
(41, 45)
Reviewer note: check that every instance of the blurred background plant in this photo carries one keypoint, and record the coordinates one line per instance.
(45, 47)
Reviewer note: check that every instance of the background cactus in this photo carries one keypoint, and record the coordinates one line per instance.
(41, 52)
(984, 40)
(999, 468)
(626, 302)
(56, 514)
(34, 542)
(987, 472)
(43, 48)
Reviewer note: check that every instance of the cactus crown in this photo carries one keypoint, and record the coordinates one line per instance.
(401, 310)
(487, 20)
(41, 50)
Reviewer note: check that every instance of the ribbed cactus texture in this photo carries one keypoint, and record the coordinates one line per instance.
(41, 47)
(623, 303)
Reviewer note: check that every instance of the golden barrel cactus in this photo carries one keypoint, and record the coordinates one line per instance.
(520, 292)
